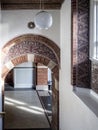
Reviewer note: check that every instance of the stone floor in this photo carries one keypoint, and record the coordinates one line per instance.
(24, 110)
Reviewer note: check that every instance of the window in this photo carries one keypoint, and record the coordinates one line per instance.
(94, 30)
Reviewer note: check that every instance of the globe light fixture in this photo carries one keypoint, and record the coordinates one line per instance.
(43, 19)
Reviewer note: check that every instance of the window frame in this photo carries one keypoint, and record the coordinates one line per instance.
(94, 30)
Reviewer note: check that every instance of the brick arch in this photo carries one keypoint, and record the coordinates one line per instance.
(31, 43)
(30, 58)
(20, 49)
(38, 49)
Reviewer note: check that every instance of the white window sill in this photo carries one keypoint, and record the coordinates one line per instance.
(89, 97)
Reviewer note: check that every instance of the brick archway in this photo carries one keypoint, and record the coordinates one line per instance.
(38, 49)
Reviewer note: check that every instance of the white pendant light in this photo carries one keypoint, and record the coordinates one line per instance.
(43, 19)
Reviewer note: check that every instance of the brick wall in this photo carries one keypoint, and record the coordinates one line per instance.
(42, 75)
(80, 44)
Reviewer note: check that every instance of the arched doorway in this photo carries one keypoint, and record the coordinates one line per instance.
(38, 49)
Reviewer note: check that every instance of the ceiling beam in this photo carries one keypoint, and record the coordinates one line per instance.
(30, 4)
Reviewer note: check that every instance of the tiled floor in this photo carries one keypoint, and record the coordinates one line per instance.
(24, 110)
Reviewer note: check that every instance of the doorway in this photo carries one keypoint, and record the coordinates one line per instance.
(49, 55)
(27, 106)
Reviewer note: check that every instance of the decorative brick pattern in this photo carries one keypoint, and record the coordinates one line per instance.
(83, 72)
(19, 60)
(27, 47)
(74, 42)
(37, 42)
(80, 44)
(37, 59)
(42, 60)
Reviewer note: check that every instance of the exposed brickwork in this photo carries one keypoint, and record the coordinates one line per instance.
(55, 71)
(19, 60)
(51, 50)
(74, 42)
(80, 44)
(39, 64)
(42, 60)
(29, 47)
(42, 76)
(45, 52)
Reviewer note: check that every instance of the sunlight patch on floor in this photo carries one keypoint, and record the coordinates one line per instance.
(14, 101)
(23, 106)
(29, 110)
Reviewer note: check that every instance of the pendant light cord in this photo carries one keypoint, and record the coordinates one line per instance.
(43, 5)
(40, 5)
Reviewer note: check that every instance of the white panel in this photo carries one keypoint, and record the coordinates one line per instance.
(23, 77)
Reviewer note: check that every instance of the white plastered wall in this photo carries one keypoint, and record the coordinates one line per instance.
(74, 114)
(14, 23)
